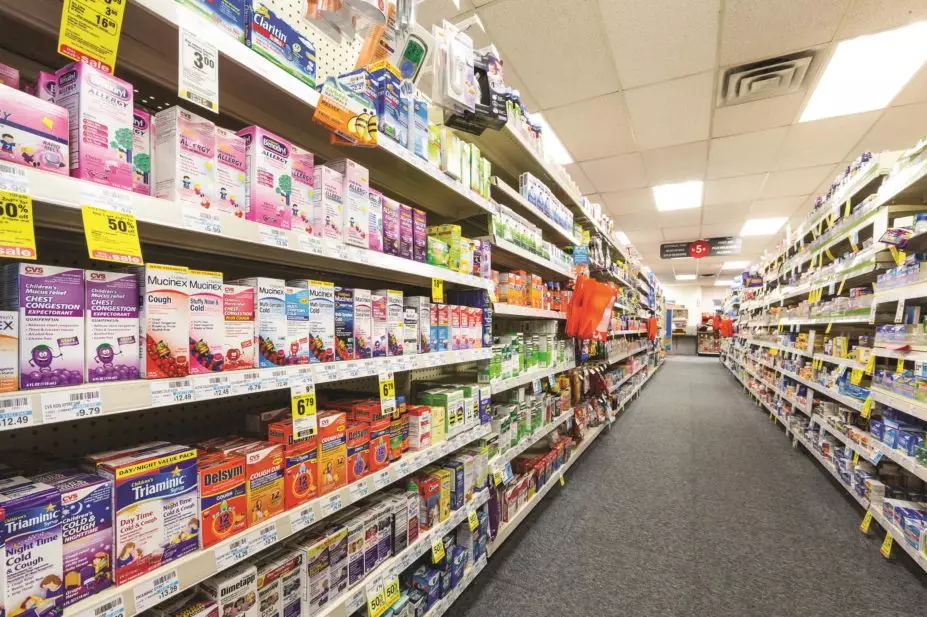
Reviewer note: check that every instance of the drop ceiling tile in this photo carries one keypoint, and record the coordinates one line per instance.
(676, 163)
(680, 218)
(823, 141)
(671, 112)
(676, 37)
(758, 29)
(729, 213)
(915, 91)
(756, 116)
(634, 222)
(593, 129)
(782, 206)
(681, 234)
(616, 173)
(435, 11)
(579, 177)
(741, 155)
(796, 181)
(514, 81)
(731, 190)
(632, 201)
(646, 239)
(720, 230)
(897, 129)
(526, 33)
(870, 16)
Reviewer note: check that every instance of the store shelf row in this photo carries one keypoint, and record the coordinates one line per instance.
(913, 291)
(909, 406)
(628, 332)
(850, 363)
(850, 402)
(501, 385)
(502, 458)
(914, 353)
(637, 370)
(197, 567)
(440, 607)
(861, 318)
(512, 198)
(805, 407)
(864, 453)
(501, 309)
(510, 255)
(829, 465)
(624, 402)
(783, 348)
(619, 356)
(898, 537)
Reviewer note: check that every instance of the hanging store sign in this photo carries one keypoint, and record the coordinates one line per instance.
(697, 249)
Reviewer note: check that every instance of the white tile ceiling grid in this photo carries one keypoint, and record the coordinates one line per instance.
(630, 87)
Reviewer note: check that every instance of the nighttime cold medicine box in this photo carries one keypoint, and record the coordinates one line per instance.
(112, 326)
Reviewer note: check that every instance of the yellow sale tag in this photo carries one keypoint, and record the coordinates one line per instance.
(899, 367)
(382, 597)
(497, 477)
(897, 255)
(827, 329)
(867, 521)
(886, 549)
(17, 232)
(562, 481)
(847, 207)
(492, 294)
(840, 289)
(437, 290)
(870, 364)
(856, 458)
(856, 376)
(90, 30)
(111, 236)
(867, 407)
(829, 254)
(473, 520)
(303, 411)
(437, 550)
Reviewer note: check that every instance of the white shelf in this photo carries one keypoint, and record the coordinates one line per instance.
(831, 468)
(904, 292)
(615, 387)
(440, 607)
(525, 208)
(622, 405)
(618, 357)
(847, 362)
(863, 452)
(511, 255)
(502, 385)
(850, 402)
(769, 345)
(502, 458)
(898, 538)
(141, 394)
(901, 403)
(527, 312)
(198, 566)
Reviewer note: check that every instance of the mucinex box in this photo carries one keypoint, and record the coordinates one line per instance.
(297, 325)
(207, 322)
(270, 319)
(238, 307)
(164, 319)
(321, 318)
(395, 338)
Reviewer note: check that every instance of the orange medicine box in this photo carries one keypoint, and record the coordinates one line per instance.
(264, 468)
(223, 497)
(379, 444)
(358, 437)
(333, 453)
(301, 463)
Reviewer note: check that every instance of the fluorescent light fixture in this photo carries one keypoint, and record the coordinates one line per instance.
(679, 196)
(723, 283)
(554, 148)
(622, 237)
(734, 265)
(763, 227)
(867, 72)
(685, 277)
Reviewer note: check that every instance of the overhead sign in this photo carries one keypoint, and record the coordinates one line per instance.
(697, 249)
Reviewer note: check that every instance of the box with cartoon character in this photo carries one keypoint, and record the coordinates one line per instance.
(33, 132)
(185, 158)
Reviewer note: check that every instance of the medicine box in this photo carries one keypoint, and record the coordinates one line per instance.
(33, 132)
(321, 319)
(142, 151)
(112, 328)
(223, 496)
(264, 471)
(344, 324)
(234, 590)
(328, 203)
(363, 324)
(207, 322)
(270, 319)
(185, 158)
(356, 188)
(394, 321)
(332, 451)
(238, 307)
(269, 180)
(231, 173)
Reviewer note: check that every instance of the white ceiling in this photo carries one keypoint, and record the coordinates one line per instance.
(629, 86)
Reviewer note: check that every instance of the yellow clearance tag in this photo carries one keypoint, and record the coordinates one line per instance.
(827, 329)
(899, 367)
(492, 294)
(867, 521)
(497, 477)
(856, 458)
(437, 291)
(473, 520)
(886, 549)
(847, 207)
(870, 364)
(897, 255)
(17, 232)
(562, 481)
(111, 236)
(383, 597)
(867, 407)
(856, 376)
(829, 254)
(90, 30)
(840, 289)
(437, 550)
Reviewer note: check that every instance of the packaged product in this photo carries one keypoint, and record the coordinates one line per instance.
(112, 328)
(185, 158)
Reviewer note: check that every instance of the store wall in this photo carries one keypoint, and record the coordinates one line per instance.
(698, 299)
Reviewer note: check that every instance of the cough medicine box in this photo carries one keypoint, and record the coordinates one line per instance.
(422, 306)
(268, 183)
(231, 173)
(112, 327)
(238, 308)
(301, 462)
(356, 189)
(272, 37)
(358, 445)
(332, 452)
(164, 301)
(265, 471)
(50, 302)
(235, 591)
(327, 203)
(142, 151)
(394, 321)
(378, 324)
(321, 319)
(231, 16)
(363, 324)
(344, 323)
(270, 319)
(185, 158)
(9, 351)
(100, 112)
(303, 194)
(223, 500)
(297, 325)
(33, 132)
(207, 322)
(155, 506)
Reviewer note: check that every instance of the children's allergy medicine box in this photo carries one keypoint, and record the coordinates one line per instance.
(86, 531)
(356, 180)
(50, 301)
(363, 324)
(33, 132)
(164, 300)
(142, 159)
(231, 173)
(235, 591)
(112, 327)
(185, 158)
(155, 508)
(394, 321)
(238, 306)
(327, 203)
(100, 111)
(269, 181)
(270, 319)
(302, 196)
(272, 37)
(9, 351)
(344, 324)
(207, 322)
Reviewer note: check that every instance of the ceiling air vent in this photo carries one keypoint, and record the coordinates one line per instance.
(765, 79)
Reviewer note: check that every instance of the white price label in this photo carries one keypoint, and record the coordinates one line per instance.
(71, 405)
(199, 219)
(112, 607)
(156, 590)
(311, 244)
(899, 311)
(263, 538)
(358, 490)
(403, 468)
(327, 372)
(336, 248)
(229, 554)
(15, 411)
(272, 236)
(245, 382)
(105, 197)
(350, 370)
(211, 386)
(198, 80)
(276, 379)
(13, 179)
(872, 312)
(301, 519)
(331, 504)
(171, 391)
(355, 602)
(381, 480)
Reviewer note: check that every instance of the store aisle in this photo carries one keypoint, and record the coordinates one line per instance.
(694, 505)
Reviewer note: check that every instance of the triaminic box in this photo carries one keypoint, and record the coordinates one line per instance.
(111, 341)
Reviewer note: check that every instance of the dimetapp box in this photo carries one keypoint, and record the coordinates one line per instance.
(269, 180)
(356, 181)
(142, 151)
(270, 319)
(264, 470)
(316, 574)
(164, 318)
(50, 301)
(303, 192)
(231, 173)
(155, 508)
(9, 351)
(337, 536)
(223, 499)
(297, 325)
(327, 203)
(332, 451)
(86, 531)
(185, 158)
(375, 218)
(344, 323)
(363, 324)
(100, 111)
(207, 322)
(112, 328)
(238, 307)
(33, 132)
(235, 591)
(394, 321)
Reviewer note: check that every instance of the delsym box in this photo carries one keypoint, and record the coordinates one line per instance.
(112, 328)
(344, 323)
(207, 322)
(223, 500)
(86, 531)
(270, 321)
(185, 158)
(375, 224)
(141, 151)
(238, 306)
(164, 300)
(327, 203)
(363, 331)
(269, 182)
(297, 325)
(155, 506)
(231, 173)
(33, 132)
(273, 38)
(231, 16)
(394, 321)
(100, 111)
(33, 573)
(356, 179)
(302, 197)
(50, 301)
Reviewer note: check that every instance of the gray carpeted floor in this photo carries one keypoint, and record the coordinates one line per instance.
(694, 504)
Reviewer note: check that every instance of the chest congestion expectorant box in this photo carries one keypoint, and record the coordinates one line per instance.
(100, 111)
(207, 322)
(142, 151)
(50, 301)
(231, 170)
(238, 306)
(269, 182)
(164, 301)
(344, 324)
(270, 319)
(185, 158)
(301, 199)
(111, 343)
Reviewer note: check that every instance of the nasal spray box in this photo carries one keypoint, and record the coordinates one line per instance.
(394, 321)
(269, 181)
(207, 322)
(327, 203)
(50, 301)
(321, 345)
(356, 183)
(231, 173)
(164, 302)
(112, 328)
(142, 151)
(303, 190)
(270, 319)
(185, 158)
(235, 591)
(238, 307)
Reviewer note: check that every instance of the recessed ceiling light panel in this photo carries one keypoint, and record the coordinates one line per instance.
(679, 196)
(763, 227)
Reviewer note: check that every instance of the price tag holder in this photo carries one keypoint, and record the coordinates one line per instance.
(112, 236)
(387, 393)
(171, 391)
(89, 33)
(16, 411)
(227, 555)
(358, 490)
(311, 244)
(202, 220)
(262, 538)
(17, 230)
(331, 504)
(473, 521)
(271, 236)
(71, 405)
(212, 386)
(381, 480)
(245, 382)
(437, 550)
(437, 290)
(899, 366)
(112, 607)
(899, 311)
(303, 409)
(856, 376)
(156, 590)
(106, 197)
(536, 386)
(866, 523)
(198, 80)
